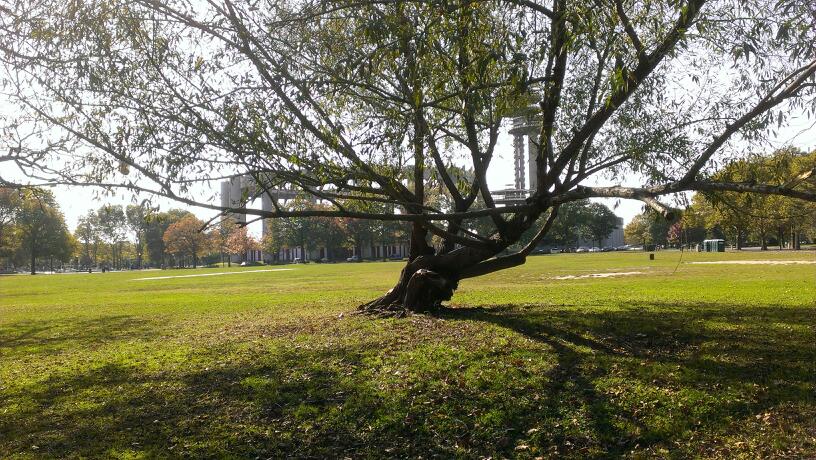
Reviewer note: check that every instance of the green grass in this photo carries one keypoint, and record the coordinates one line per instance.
(708, 361)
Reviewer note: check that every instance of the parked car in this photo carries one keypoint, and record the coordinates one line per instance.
(555, 251)
(607, 249)
(595, 249)
(354, 259)
(582, 249)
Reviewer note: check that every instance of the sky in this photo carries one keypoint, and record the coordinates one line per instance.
(76, 201)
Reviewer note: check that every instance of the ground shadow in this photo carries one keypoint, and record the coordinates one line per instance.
(329, 396)
(51, 336)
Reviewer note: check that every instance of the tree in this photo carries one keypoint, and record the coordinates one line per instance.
(373, 102)
(87, 234)
(332, 234)
(272, 241)
(112, 225)
(9, 205)
(137, 216)
(157, 225)
(761, 216)
(185, 237)
(692, 226)
(241, 242)
(648, 227)
(42, 229)
(300, 231)
(601, 222)
(220, 237)
(637, 231)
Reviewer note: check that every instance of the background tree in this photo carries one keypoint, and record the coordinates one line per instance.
(380, 99)
(333, 235)
(763, 216)
(9, 204)
(157, 225)
(600, 222)
(693, 225)
(42, 229)
(87, 235)
(220, 236)
(240, 242)
(113, 229)
(273, 241)
(185, 237)
(137, 218)
(300, 231)
(637, 231)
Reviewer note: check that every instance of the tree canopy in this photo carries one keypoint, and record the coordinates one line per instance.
(367, 103)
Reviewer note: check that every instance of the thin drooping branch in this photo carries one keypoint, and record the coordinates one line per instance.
(768, 102)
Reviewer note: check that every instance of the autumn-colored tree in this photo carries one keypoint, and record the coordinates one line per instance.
(186, 238)
(241, 242)
(220, 238)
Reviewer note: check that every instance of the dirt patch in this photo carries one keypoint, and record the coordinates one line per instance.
(757, 262)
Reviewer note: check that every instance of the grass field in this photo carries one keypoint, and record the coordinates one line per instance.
(713, 361)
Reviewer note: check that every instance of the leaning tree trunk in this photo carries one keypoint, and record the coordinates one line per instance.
(430, 279)
(423, 285)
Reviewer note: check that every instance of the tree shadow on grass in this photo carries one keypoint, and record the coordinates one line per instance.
(640, 378)
(736, 361)
(24, 338)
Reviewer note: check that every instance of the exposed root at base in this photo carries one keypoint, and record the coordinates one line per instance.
(384, 311)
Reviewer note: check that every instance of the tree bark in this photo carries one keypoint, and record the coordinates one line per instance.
(428, 280)
(422, 287)
(739, 238)
(33, 255)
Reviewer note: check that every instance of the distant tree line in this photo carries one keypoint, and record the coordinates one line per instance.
(742, 219)
(33, 234)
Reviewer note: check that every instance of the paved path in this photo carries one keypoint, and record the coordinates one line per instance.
(213, 274)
